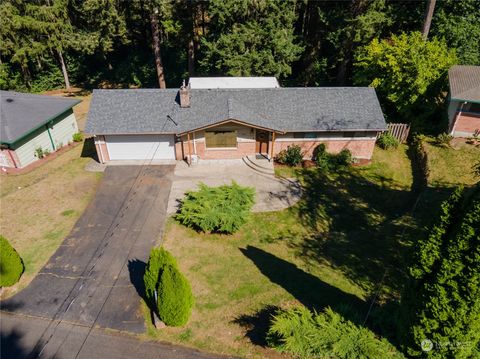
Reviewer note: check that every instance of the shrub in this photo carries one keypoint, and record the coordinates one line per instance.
(342, 159)
(386, 141)
(443, 139)
(325, 335)
(221, 209)
(11, 265)
(174, 300)
(77, 137)
(39, 152)
(328, 161)
(292, 156)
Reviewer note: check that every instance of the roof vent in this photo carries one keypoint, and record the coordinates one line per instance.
(9, 99)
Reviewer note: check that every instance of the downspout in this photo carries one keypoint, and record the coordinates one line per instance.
(50, 135)
(456, 118)
(102, 159)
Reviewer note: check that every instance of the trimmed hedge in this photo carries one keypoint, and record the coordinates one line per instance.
(11, 265)
(174, 300)
(221, 209)
(304, 334)
(330, 161)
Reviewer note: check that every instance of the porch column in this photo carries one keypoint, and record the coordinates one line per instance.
(273, 145)
(189, 161)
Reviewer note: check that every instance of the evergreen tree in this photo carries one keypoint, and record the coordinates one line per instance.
(441, 302)
(246, 38)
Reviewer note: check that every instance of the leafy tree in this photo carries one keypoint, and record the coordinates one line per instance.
(407, 72)
(441, 302)
(248, 37)
(11, 265)
(458, 22)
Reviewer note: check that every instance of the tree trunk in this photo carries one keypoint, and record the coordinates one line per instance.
(191, 58)
(156, 51)
(428, 18)
(64, 69)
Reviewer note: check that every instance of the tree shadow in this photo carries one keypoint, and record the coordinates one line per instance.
(89, 150)
(136, 269)
(358, 226)
(306, 288)
(11, 346)
(257, 324)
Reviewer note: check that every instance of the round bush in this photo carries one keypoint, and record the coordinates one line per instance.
(292, 156)
(175, 299)
(11, 265)
(386, 141)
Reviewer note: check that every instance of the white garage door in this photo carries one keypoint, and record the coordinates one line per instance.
(140, 147)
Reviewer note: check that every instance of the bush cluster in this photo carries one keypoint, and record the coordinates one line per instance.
(328, 161)
(221, 209)
(443, 140)
(292, 156)
(304, 334)
(386, 141)
(11, 265)
(166, 289)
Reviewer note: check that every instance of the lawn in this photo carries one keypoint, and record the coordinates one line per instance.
(332, 249)
(39, 208)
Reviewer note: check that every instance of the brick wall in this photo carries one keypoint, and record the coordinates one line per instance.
(466, 124)
(359, 148)
(243, 149)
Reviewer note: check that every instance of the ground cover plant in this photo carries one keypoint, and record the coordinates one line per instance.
(11, 265)
(222, 209)
(167, 290)
(327, 334)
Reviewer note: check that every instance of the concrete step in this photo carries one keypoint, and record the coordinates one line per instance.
(261, 166)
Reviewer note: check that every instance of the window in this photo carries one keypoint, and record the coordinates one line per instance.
(304, 135)
(221, 139)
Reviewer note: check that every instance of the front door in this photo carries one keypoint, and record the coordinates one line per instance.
(261, 142)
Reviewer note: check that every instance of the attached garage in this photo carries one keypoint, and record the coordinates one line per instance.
(140, 147)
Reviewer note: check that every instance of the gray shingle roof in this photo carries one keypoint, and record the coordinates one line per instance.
(21, 113)
(464, 82)
(281, 109)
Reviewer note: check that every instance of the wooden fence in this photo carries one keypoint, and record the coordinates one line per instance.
(399, 130)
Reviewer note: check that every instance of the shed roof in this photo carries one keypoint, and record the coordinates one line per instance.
(232, 82)
(280, 109)
(464, 83)
(22, 113)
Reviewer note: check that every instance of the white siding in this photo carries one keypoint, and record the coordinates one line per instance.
(62, 130)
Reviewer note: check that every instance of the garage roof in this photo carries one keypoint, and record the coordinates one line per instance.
(282, 109)
(464, 83)
(23, 113)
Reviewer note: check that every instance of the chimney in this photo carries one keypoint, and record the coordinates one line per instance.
(185, 95)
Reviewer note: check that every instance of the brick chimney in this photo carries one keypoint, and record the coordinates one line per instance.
(184, 95)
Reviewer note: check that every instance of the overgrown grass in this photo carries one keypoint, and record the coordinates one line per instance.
(330, 250)
(39, 208)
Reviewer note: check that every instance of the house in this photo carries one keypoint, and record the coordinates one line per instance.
(230, 123)
(464, 101)
(33, 124)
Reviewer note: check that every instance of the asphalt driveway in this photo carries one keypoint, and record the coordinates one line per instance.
(94, 279)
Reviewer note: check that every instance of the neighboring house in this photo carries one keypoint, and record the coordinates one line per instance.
(31, 122)
(464, 106)
(230, 123)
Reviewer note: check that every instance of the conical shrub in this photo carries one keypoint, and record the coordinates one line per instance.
(11, 265)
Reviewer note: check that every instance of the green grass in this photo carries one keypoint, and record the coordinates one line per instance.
(39, 208)
(331, 249)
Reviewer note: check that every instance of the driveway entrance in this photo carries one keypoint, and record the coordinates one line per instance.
(95, 276)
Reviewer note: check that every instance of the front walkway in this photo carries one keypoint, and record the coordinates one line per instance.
(272, 193)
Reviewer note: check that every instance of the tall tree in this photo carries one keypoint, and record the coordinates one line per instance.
(156, 48)
(441, 303)
(408, 73)
(250, 37)
(428, 18)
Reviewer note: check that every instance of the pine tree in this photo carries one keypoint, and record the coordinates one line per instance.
(441, 302)
(250, 38)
